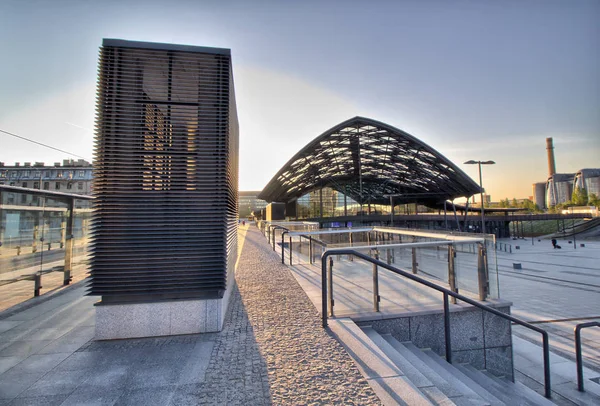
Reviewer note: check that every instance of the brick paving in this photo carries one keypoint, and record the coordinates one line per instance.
(272, 349)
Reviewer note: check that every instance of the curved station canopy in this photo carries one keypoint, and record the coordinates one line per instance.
(369, 161)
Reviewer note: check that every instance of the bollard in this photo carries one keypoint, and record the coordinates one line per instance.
(37, 284)
(517, 265)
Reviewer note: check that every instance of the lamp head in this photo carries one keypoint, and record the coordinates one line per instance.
(488, 163)
(471, 162)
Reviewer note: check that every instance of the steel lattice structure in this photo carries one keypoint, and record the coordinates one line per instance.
(368, 161)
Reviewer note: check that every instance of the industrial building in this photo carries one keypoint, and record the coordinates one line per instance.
(588, 180)
(559, 187)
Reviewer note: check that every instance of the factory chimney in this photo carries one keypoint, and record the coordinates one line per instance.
(550, 149)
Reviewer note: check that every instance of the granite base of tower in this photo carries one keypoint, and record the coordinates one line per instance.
(136, 320)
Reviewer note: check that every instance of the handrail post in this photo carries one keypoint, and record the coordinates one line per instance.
(579, 358)
(415, 264)
(578, 355)
(324, 288)
(310, 249)
(282, 245)
(37, 283)
(330, 301)
(452, 271)
(447, 329)
(376, 297)
(547, 389)
(481, 274)
(290, 250)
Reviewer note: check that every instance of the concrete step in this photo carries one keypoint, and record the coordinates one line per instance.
(528, 361)
(473, 385)
(528, 395)
(448, 389)
(435, 395)
(509, 392)
(386, 379)
(447, 372)
(492, 386)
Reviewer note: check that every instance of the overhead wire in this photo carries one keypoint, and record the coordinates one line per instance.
(42, 144)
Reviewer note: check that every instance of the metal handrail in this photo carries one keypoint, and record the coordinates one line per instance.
(578, 356)
(273, 229)
(446, 292)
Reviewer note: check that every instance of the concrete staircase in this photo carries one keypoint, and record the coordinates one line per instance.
(402, 374)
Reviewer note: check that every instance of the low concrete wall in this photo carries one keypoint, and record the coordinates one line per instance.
(478, 337)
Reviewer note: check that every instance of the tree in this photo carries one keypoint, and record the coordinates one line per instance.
(514, 202)
(580, 197)
(594, 200)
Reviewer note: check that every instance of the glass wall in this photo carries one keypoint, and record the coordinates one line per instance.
(35, 239)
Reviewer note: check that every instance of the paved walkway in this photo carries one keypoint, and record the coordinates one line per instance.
(272, 350)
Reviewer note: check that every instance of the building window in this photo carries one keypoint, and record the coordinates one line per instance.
(79, 185)
(81, 174)
(46, 185)
(57, 186)
(13, 174)
(26, 173)
(37, 174)
(24, 184)
(59, 174)
(69, 186)
(23, 198)
(11, 184)
(36, 185)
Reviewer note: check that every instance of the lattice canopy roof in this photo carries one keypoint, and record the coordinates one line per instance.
(368, 161)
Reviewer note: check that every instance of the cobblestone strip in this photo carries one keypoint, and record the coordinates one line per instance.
(273, 349)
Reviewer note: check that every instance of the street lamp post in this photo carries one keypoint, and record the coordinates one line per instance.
(471, 162)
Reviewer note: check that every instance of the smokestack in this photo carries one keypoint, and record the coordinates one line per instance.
(550, 149)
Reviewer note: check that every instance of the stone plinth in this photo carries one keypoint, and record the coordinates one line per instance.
(478, 337)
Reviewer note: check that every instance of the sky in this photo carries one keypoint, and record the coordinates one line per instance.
(481, 80)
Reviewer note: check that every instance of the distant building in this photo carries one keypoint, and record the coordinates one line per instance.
(559, 188)
(588, 179)
(539, 194)
(248, 202)
(70, 177)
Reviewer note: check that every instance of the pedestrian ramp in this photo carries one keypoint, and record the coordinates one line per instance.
(402, 374)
